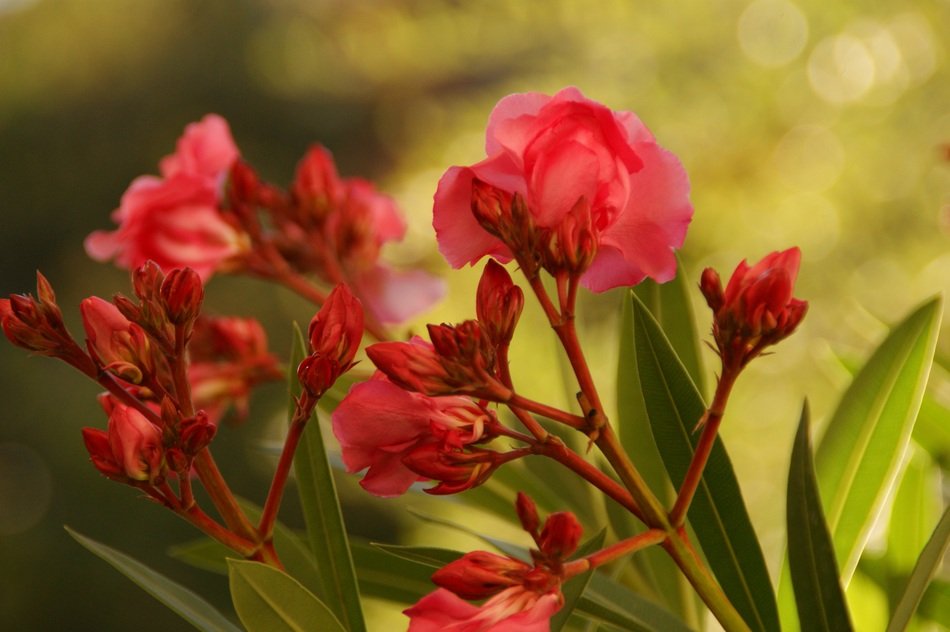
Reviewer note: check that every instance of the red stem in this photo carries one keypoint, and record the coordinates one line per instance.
(615, 551)
(271, 506)
(547, 411)
(710, 424)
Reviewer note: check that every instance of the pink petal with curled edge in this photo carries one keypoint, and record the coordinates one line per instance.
(609, 270)
(509, 121)
(657, 215)
(206, 148)
(394, 296)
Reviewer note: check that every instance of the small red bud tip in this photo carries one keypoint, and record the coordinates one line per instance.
(317, 186)
(527, 513)
(147, 280)
(498, 303)
(711, 287)
(491, 206)
(182, 294)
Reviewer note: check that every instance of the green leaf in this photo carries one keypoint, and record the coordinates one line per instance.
(664, 581)
(204, 553)
(819, 598)
(914, 512)
(858, 459)
(718, 513)
(187, 604)
(427, 555)
(575, 587)
(383, 574)
(321, 509)
(927, 564)
(673, 310)
(269, 600)
(643, 613)
(935, 605)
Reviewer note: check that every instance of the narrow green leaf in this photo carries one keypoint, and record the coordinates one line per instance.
(718, 513)
(187, 604)
(384, 575)
(914, 512)
(858, 459)
(204, 553)
(670, 304)
(269, 600)
(819, 598)
(321, 509)
(427, 555)
(647, 615)
(927, 564)
(935, 606)
(664, 580)
(573, 589)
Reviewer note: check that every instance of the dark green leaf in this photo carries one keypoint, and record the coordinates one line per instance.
(927, 564)
(190, 606)
(269, 600)
(321, 508)
(811, 554)
(717, 514)
(426, 555)
(387, 576)
(858, 459)
(664, 581)
(606, 592)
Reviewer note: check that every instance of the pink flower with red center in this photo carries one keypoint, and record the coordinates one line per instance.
(757, 308)
(379, 425)
(568, 160)
(176, 220)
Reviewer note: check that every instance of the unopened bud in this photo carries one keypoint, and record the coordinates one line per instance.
(454, 471)
(479, 574)
(711, 287)
(498, 303)
(527, 513)
(196, 433)
(560, 536)
(181, 294)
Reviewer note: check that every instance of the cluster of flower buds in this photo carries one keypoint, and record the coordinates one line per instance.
(520, 596)
(335, 333)
(36, 324)
(756, 309)
(209, 211)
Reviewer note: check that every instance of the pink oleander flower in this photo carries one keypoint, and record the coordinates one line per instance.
(228, 358)
(131, 449)
(176, 220)
(757, 308)
(379, 425)
(516, 609)
(521, 596)
(594, 182)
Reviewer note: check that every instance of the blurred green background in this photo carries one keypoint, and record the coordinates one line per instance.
(806, 123)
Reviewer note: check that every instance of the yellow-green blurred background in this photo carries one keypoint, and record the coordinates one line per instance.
(808, 123)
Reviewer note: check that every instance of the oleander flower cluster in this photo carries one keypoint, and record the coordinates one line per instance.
(570, 195)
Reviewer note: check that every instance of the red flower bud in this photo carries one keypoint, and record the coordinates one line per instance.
(560, 535)
(337, 329)
(479, 574)
(527, 513)
(147, 281)
(317, 187)
(196, 433)
(506, 216)
(100, 453)
(572, 245)
(36, 324)
(120, 346)
(757, 308)
(136, 444)
(498, 303)
(181, 294)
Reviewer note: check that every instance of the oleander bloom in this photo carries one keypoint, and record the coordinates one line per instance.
(176, 220)
(587, 175)
(515, 609)
(383, 428)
